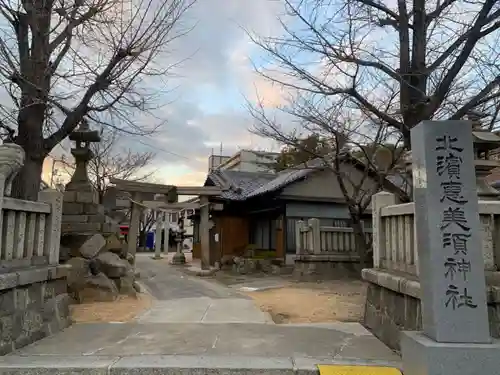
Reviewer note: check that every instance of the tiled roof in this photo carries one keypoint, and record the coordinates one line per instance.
(239, 184)
(244, 185)
(285, 178)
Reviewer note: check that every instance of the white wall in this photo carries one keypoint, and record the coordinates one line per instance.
(248, 161)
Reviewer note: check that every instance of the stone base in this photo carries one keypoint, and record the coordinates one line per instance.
(423, 356)
(244, 266)
(197, 271)
(157, 257)
(393, 305)
(313, 267)
(33, 304)
(179, 258)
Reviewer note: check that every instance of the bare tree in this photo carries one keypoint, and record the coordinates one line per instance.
(114, 161)
(397, 63)
(65, 60)
(374, 151)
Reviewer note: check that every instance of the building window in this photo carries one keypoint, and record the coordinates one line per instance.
(263, 234)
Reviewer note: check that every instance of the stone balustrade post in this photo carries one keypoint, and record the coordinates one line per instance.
(315, 235)
(379, 201)
(298, 237)
(53, 223)
(11, 161)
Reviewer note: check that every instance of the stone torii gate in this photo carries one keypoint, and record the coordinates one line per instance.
(164, 208)
(171, 194)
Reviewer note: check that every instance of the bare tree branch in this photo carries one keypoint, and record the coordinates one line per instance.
(65, 60)
(429, 60)
(112, 161)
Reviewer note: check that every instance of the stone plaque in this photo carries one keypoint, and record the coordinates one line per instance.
(453, 290)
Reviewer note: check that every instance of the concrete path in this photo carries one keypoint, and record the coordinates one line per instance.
(197, 326)
(166, 282)
(338, 340)
(189, 299)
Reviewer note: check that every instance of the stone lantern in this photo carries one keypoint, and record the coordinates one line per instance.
(179, 257)
(82, 211)
(82, 136)
(484, 141)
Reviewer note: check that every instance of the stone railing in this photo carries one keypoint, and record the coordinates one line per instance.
(397, 238)
(394, 242)
(33, 292)
(393, 297)
(311, 238)
(30, 231)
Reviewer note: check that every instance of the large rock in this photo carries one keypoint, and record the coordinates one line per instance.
(92, 246)
(99, 288)
(64, 254)
(115, 245)
(125, 284)
(130, 259)
(78, 273)
(112, 265)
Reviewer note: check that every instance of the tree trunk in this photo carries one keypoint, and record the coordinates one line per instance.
(362, 247)
(26, 185)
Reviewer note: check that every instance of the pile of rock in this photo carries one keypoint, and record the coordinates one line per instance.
(247, 265)
(100, 269)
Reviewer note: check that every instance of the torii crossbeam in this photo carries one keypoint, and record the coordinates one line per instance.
(171, 192)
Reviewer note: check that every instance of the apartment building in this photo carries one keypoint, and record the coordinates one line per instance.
(244, 161)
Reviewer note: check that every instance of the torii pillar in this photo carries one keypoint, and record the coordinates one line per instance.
(159, 231)
(205, 232)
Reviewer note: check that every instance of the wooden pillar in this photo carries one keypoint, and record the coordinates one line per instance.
(280, 238)
(133, 229)
(299, 249)
(205, 232)
(159, 230)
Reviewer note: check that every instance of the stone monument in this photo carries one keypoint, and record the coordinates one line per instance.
(455, 337)
(90, 240)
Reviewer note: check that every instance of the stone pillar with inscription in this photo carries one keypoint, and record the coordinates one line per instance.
(455, 337)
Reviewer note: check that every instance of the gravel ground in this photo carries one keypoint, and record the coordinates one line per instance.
(327, 301)
(124, 309)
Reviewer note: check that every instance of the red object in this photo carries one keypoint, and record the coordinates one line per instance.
(124, 230)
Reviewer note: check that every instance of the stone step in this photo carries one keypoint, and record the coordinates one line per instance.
(182, 364)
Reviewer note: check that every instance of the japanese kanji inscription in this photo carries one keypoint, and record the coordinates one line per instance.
(453, 289)
(454, 225)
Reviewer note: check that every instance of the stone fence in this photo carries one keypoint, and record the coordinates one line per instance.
(326, 252)
(311, 238)
(30, 230)
(393, 301)
(33, 298)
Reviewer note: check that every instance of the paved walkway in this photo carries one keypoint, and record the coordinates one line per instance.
(189, 299)
(197, 324)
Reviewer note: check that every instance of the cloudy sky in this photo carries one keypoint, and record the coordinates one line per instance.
(208, 104)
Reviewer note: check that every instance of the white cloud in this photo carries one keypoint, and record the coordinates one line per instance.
(207, 107)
